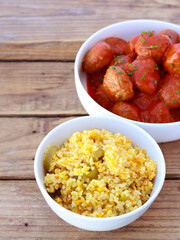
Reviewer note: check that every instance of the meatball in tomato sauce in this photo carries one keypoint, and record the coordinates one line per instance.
(173, 35)
(170, 90)
(157, 113)
(123, 61)
(98, 57)
(126, 110)
(145, 74)
(118, 84)
(118, 45)
(172, 61)
(102, 98)
(155, 46)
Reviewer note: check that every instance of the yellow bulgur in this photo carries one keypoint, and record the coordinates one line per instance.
(98, 174)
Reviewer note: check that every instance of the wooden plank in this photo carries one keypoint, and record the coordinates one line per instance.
(20, 138)
(38, 88)
(171, 153)
(39, 50)
(55, 29)
(25, 215)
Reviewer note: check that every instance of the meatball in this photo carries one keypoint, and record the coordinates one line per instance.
(132, 42)
(145, 74)
(153, 45)
(97, 57)
(175, 113)
(97, 77)
(144, 100)
(123, 61)
(170, 90)
(172, 61)
(117, 45)
(126, 110)
(102, 98)
(173, 35)
(118, 84)
(157, 113)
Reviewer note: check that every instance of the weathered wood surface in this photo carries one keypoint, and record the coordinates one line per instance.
(25, 215)
(36, 88)
(20, 138)
(54, 30)
(37, 96)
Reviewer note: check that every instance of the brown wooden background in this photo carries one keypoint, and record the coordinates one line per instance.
(38, 43)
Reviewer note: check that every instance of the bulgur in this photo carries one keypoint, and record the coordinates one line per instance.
(99, 174)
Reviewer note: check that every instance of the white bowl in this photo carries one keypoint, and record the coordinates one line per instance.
(137, 135)
(163, 132)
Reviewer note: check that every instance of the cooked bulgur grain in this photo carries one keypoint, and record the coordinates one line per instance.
(98, 174)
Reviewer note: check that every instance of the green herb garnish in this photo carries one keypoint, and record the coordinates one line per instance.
(155, 82)
(131, 73)
(150, 33)
(115, 63)
(174, 101)
(143, 40)
(142, 77)
(156, 67)
(156, 46)
(171, 66)
(113, 67)
(120, 71)
(177, 91)
(170, 37)
(123, 61)
(144, 32)
(101, 79)
(119, 56)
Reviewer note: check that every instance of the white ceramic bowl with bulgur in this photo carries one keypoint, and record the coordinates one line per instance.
(98, 179)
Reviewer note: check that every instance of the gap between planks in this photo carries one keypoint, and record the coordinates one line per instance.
(37, 60)
(40, 115)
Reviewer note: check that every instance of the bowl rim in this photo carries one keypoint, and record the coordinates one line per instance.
(103, 219)
(77, 76)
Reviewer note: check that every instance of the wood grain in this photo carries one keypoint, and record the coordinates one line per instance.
(25, 215)
(38, 88)
(20, 138)
(51, 30)
(37, 96)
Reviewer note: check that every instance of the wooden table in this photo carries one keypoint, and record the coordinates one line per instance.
(38, 43)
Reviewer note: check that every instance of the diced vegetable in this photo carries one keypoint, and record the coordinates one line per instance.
(98, 153)
(48, 156)
(92, 174)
